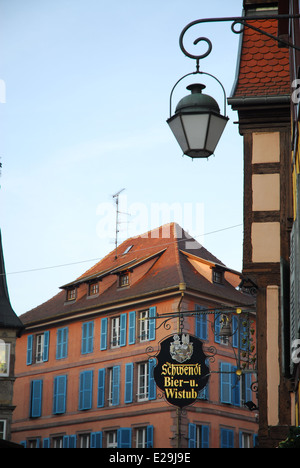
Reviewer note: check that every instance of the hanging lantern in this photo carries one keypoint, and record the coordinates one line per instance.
(197, 123)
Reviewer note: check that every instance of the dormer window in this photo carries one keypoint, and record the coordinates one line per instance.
(71, 294)
(93, 288)
(124, 279)
(217, 276)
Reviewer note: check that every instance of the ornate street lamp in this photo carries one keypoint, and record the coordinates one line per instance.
(197, 123)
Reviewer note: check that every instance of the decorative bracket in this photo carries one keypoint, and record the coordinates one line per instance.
(243, 21)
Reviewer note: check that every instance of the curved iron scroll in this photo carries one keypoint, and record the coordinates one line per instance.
(235, 20)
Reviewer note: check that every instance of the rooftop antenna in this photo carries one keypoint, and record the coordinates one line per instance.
(116, 196)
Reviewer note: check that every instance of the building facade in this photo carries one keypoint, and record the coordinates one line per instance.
(10, 329)
(262, 97)
(292, 342)
(84, 364)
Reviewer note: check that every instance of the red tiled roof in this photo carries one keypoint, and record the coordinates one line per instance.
(263, 66)
(159, 254)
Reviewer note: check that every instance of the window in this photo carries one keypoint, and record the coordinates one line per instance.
(124, 280)
(59, 394)
(71, 294)
(86, 390)
(146, 384)
(2, 429)
(143, 381)
(115, 332)
(37, 348)
(147, 324)
(58, 442)
(111, 439)
(245, 440)
(93, 288)
(144, 437)
(62, 343)
(217, 276)
(4, 359)
(87, 342)
(114, 386)
(198, 436)
(84, 440)
(36, 389)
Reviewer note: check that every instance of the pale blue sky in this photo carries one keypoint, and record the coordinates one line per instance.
(87, 98)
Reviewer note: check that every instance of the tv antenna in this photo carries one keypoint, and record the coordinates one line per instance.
(116, 196)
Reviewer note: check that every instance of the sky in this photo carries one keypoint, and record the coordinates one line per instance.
(84, 98)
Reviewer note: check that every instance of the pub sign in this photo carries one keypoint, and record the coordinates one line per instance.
(181, 370)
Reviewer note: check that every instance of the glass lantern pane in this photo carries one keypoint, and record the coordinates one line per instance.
(216, 128)
(176, 126)
(195, 126)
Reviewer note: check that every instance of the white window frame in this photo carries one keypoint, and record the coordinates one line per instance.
(84, 440)
(111, 439)
(143, 382)
(2, 429)
(4, 358)
(144, 325)
(141, 437)
(115, 332)
(246, 440)
(39, 347)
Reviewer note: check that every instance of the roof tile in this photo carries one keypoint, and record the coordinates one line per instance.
(263, 66)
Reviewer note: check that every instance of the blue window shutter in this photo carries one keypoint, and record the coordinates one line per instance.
(128, 383)
(116, 386)
(192, 436)
(66, 440)
(62, 343)
(46, 346)
(217, 327)
(151, 381)
(29, 349)
(152, 313)
(103, 338)
(124, 438)
(59, 394)
(225, 382)
(248, 390)
(46, 442)
(243, 337)
(149, 437)
(23, 443)
(86, 390)
(235, 331)
(123, 329)
(204, 436)
(201, 324)
(84, 338)
(96, 440)
(101, 388)
(235, 387)
(87, 337)
(227, 438)
(131, 333)
(36, 398)
(72, 441)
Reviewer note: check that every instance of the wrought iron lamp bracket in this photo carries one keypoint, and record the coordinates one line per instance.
(235, 20)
